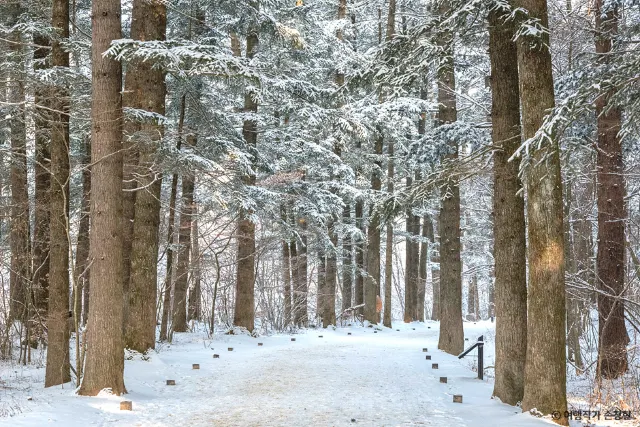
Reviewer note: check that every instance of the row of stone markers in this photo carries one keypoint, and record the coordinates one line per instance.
(127, 405)
(457, 398)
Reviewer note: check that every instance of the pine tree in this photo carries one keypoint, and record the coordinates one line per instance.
(610, 261)
(545, 369)
(508, 213)
(145, 90)
(104, 366)
(58, 367)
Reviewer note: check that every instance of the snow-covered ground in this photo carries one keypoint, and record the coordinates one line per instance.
(366, 378)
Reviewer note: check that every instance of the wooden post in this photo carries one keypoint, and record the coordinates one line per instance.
(196, 366)
(425, 349)
(348, 333)
(319, 336)
(434, 366)
(293, 339)
(216, 356)
(457, 398)
(230, 349)
(428, 357)
(259, 344)
(126, 405)
(443, 380)
(171, 382)
(481, 360)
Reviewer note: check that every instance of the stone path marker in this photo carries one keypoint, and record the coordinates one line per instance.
(126, 405)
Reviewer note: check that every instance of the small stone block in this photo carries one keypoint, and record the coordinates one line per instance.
(375, 332)
(319, 336)
(230, 349)
(413, 329)
(216, 356)
(428, 327)
(171, 382)
(466, 339)
(457, 398)
(434, 366)
(424, 350)
(293, 339)
(427, 357)
(348, 333)
(397, 330)
(259, 344)
(126, 405)
(196, 366)
(443, 380)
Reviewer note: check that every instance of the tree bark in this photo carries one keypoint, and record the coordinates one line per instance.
(347, 262)
(104, 365)
(412, 264)
(244, 315)
(81, 272)
(509, 251)
(610, 261)
(58, 366)
(19, 239)
(40, 280)
(300, 295)
(179, 315)
(195, 294)
(358, 290)
(545, 370)
(422, 270)
(372, 282)
(145, 89)
(451, 338)
(388, 259)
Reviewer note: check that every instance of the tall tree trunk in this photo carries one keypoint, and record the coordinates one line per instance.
(451, 337)
(301, 308)
(388, 259)
(20, 258)
(179, 315)
(168, 280)
(81, 272)
(329, 315)
(321, 297)
(612, 354)
(347, 262)
(358, 290)
(40, 280)
(545, 370)
(244, 314)
(286, 279)
(145, 89)
(422, 270)
(195, 294)
(412, 264)
(573, 310)
(58, 367)
(104, 366)
(372, 281)
(509, 251)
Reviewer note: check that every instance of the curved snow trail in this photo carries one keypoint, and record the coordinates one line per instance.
(366, 379)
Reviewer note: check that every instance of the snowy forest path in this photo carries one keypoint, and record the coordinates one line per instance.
(366, 379)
